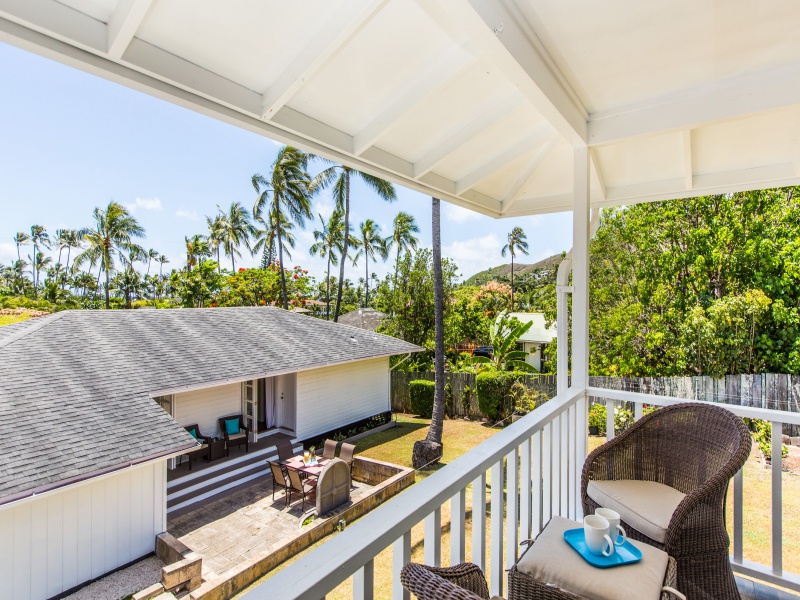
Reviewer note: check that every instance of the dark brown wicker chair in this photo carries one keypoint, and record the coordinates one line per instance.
(280, 480)
(236, 439)
(285, 451)
(460, 582)
(692, 448)
(202, 451)
(329, 451)
(300, 486)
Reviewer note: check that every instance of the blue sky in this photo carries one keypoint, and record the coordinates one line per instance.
(70, 141)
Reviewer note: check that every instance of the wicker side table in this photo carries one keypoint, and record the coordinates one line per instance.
(566, 567)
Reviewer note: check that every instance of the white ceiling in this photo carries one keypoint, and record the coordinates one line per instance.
(479, 102)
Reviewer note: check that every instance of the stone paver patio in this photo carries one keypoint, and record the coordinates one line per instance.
(244, 524)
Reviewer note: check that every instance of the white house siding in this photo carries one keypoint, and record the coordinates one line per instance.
(61, 539)
(330, 397)
(206, 406)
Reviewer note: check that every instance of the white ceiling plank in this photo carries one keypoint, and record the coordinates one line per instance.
(505, 40)
(711, 103)
(497, 162)
(56, 19)
(498, 111)
(540, 205)
(688, 168)
(124, 23)
(447, 69)
(527, 172)
(342, 28)
(598, 173)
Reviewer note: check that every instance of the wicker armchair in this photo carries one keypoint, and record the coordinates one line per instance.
(461, 582)
(202, 451)
(690, 452)
(241, 438)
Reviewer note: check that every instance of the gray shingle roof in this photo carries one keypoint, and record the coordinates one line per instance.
(75, 386)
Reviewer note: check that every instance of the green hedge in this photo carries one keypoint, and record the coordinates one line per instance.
(494, 388)
(421, 392)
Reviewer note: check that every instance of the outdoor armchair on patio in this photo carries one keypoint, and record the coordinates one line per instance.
(329, 452)
(280, 480)
(304, 487)
(202, 451)
(235, 432)
(667, 476)
(346, 454)
(460, 582)
(285, 451)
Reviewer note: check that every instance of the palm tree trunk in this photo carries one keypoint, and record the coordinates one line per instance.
(512, 281)
(66, 267)
(396, 266)
(346, 241)
(233, 260)
(219, 264)
(108, 284)
(429, 450)
(280, 261)
(19, 256)
(366, 280)
(328, 289)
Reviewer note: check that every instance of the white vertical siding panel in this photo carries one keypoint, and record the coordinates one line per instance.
(139, 536)
(125, 541)
(38, 550)
(85, 521)
(54, 574)
(70, 540)
(98, 529)
(333, 396)
(110, 530)
(21, 570)
(206, 406)
(6, 554)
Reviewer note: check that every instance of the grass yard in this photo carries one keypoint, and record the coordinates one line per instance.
(11, 319)
(394, 445)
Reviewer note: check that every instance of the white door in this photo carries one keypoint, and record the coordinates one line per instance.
(250, 408)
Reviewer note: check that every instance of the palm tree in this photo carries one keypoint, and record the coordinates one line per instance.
(61, 243)
(236, 229)
(21, 239)
(39, 237)
(289, 186)
(73, 239)
(402, 237)
(112, 236)
(216, 233)
(430, 449)
(516, 242)
(329, 244)
(339, 177)
(371, 245)
(162, 260)
(266, 236)
(197, 248)
(152, 255)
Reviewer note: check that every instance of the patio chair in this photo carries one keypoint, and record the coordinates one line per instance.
(202, 451)
(303, 487)
(285, 451)
(460, 582)
(667, 476)
(235, 432)
(280, 480)
(346, 454)
(329, 452)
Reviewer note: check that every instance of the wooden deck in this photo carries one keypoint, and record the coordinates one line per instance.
(754, 590)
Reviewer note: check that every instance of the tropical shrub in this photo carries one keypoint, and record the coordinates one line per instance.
(623, 418)
(421, 392)
(494, 393)
(466, 399)
(523, 398)
(597, 417)
(762, 434)
(448, 399)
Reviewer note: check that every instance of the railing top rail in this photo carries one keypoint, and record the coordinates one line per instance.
(750, 412)
(327, 566)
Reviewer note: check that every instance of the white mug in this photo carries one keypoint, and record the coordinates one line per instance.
(596, 531)
(617, 531)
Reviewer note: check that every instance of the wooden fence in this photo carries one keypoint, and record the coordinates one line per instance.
(769, 390)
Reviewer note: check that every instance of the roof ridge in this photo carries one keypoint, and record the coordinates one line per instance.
(35, 325)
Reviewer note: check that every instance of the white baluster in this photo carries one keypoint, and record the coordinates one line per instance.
(363, 582)
(479, 521)
(547, 470)
(738, 504)
(496, 570)
(638, 410)
(555, 470)
(609, 420)
(777, 499)
(458, 515)
(571, 462)
(433, 538)
(401, 556)
(512, 507)
(581, 441)
(525, 517)
(565, 457)
(537, 484)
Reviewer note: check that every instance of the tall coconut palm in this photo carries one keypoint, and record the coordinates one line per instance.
(236, 231)
(329, 244)
(73, 240)
(517, 242)
(40, 239)
(370, 245)
(430, 449)
(402, 238)
(286, 192)
(111, 237)
(152, 254)
(216, 235)
(265, 238)
(162, 260)
(61, 243)
(21, 239)
(339, 177)
(197, 248)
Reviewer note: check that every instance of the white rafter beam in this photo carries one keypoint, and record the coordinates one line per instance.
(497, 162)
(500, 110)
(594, 163)
(448, 68)
(711, 103)
(337, 32)
(527, 172)
(505, 40)
(124, 23)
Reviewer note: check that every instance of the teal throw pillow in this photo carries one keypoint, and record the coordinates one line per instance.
(231, 426)
(193, 432)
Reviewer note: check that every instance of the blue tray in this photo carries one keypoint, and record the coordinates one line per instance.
(625, 554)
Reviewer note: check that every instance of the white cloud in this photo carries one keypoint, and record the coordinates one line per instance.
(475, 254)
(8, 253)
(190, 215)
(458, 214)
(144, 204)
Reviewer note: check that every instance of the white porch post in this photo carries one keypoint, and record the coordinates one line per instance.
(580, 269)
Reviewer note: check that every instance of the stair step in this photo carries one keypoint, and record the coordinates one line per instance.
(215, 488)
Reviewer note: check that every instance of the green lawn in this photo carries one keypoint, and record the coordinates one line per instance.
(10, 319)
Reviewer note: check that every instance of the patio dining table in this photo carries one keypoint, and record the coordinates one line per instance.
(296, 463)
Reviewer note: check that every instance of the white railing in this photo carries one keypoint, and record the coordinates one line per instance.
(538, 459)
(770, 573)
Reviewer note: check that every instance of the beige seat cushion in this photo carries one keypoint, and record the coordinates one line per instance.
(553, 561)
(237, 436)
(646, 505)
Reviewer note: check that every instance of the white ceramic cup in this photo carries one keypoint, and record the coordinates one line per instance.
(596, 531)
(617, 531)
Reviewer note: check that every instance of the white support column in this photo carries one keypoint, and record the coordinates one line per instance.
(580, 269)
